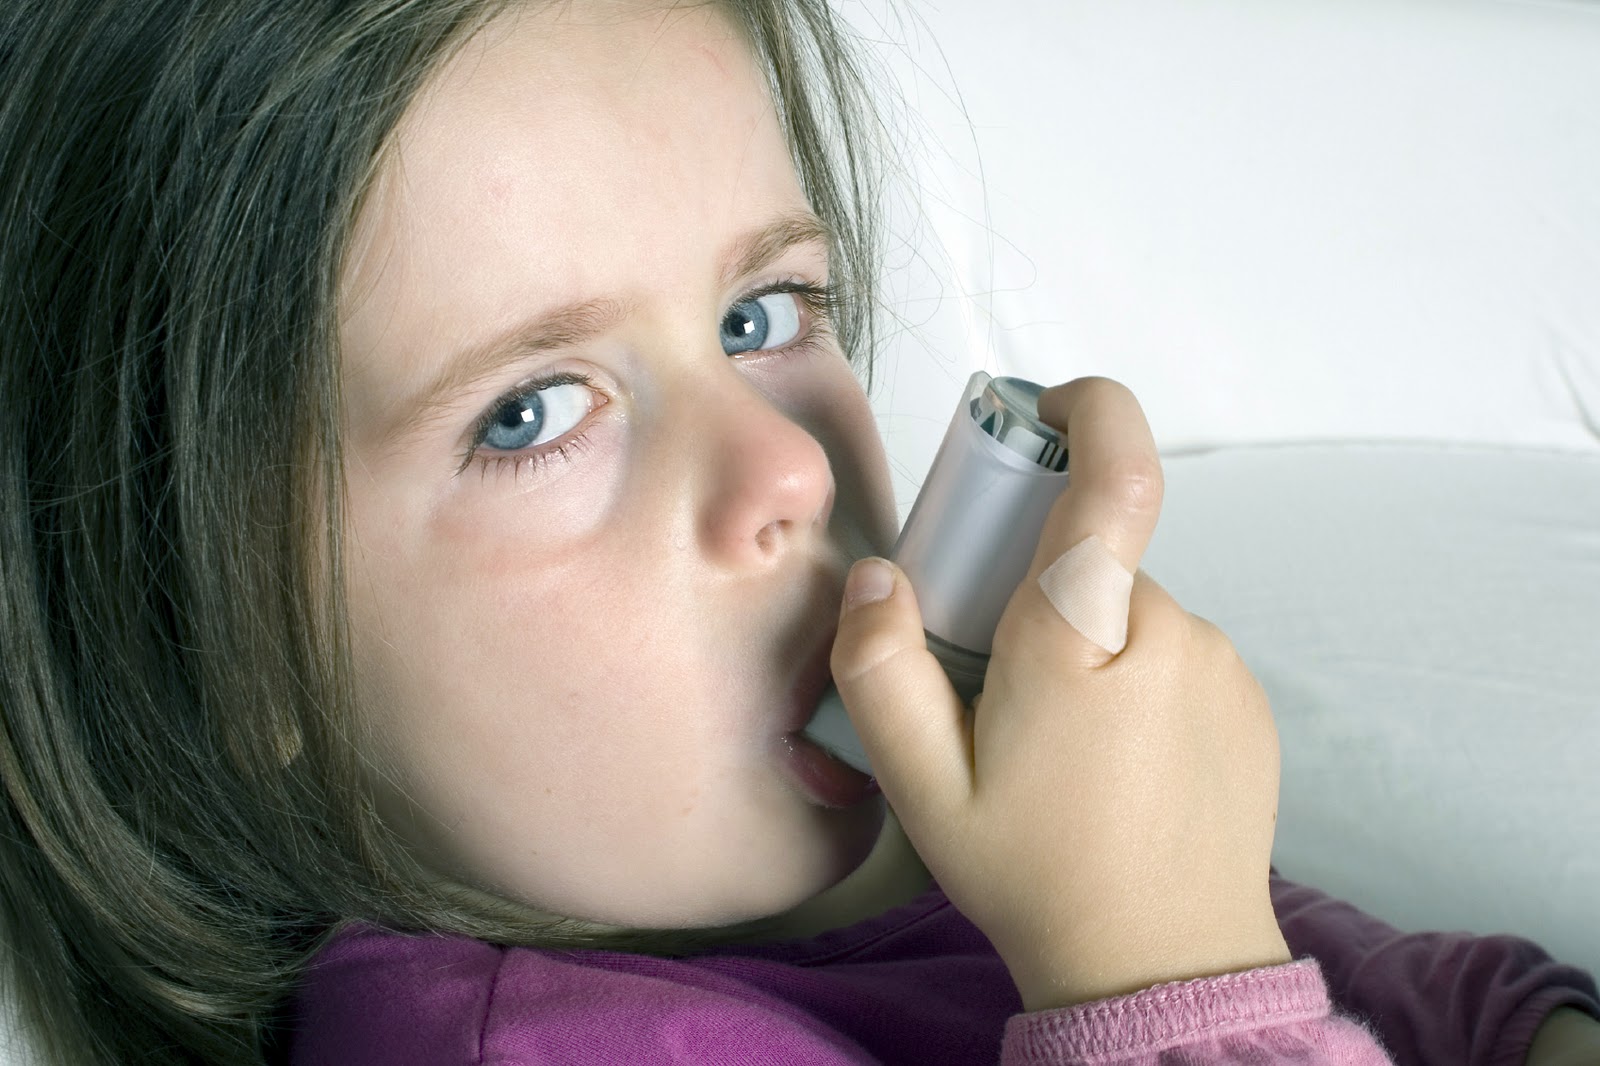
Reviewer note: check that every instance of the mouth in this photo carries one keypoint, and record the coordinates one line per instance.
(811, 681)
(823, 779)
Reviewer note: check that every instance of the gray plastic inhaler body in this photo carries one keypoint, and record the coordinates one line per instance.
(969, 537)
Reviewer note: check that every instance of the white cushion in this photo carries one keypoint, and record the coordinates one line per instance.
(1424, 621)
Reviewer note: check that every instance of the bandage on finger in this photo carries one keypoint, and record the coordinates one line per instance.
(1090, 588)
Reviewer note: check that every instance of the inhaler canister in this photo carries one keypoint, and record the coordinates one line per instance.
(970, 535)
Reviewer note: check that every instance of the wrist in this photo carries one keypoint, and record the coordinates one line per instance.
(1121, 973)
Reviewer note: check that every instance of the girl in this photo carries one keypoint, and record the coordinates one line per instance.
(432, 471)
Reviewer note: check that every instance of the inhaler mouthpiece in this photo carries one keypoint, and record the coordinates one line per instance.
(970, 536)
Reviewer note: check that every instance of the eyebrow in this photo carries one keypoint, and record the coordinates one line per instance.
(573, 324)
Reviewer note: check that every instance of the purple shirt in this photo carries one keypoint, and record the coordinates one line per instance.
(921, 984)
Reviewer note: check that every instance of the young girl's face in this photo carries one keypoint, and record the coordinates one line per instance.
(607, 469)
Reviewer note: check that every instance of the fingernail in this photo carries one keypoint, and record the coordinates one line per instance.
(869, 581)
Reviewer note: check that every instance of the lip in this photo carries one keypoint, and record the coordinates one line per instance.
(823, 779)
(811, 681)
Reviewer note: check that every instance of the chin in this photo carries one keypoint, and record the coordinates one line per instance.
(853, 838)
(866, 827)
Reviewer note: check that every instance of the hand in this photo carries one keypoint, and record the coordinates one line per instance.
(1105, 820)
(1568, 1037)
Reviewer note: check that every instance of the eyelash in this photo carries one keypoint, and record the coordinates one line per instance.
(535, 457)
(820, 302)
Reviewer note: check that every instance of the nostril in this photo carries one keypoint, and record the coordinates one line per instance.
(770, 536)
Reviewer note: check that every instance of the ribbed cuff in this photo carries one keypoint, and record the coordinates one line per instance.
(1511, 1047)
(1172, 1014)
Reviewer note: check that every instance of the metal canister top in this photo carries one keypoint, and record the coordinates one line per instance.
(1007, 409)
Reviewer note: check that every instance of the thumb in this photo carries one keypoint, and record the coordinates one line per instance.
(916, 730)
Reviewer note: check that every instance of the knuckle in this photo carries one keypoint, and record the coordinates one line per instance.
(1015, 622)
(1214, 651)
(1090, 395)
(1097, 389)
(1220, 657)
(1137, 481)
(1155, 606)
(1209, 638)
(866, 653)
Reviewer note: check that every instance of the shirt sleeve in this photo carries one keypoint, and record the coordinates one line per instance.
(1278, 1014)
(1434, 997)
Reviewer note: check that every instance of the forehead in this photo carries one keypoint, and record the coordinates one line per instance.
(569, 151)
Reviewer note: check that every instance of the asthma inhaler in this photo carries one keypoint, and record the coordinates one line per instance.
(969, 537)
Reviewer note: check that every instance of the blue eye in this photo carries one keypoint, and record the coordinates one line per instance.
(538, 415)
(769, 321)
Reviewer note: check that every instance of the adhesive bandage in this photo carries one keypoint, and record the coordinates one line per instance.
(1090, 588)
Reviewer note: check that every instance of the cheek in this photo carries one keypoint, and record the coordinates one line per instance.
(474, 600)
(489, 655)
(834, 407)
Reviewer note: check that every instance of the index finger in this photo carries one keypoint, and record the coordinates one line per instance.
(1114, 490)
(1114, 480)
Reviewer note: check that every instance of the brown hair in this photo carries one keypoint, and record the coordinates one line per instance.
(184, 813)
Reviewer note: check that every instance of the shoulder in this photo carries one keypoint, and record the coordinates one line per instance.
(374, 996)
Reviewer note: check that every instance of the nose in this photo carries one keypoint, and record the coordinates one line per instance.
(768, 487)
